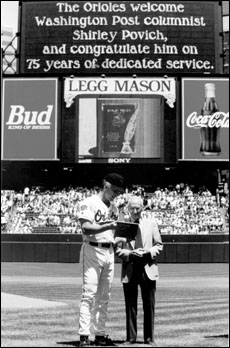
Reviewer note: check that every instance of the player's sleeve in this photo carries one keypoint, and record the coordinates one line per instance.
(86, 212)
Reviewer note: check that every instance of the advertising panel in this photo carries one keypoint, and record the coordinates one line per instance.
(205, 119)
(29, 119)
(120, 120)
(115, 36)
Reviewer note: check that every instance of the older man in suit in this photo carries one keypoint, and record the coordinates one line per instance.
(139, 268)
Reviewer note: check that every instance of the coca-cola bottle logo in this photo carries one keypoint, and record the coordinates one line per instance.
(217, 119)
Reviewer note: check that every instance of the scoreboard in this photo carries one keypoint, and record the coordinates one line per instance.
(120, 37)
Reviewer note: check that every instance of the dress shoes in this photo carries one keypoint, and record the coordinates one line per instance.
(103, 341)
(150, 343)
(84, 341)
(128, 343)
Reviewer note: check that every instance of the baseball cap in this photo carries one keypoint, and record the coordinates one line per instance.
(116, 180)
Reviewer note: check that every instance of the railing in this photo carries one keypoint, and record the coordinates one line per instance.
(10, 57)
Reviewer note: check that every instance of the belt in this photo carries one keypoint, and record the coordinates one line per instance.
(102, 245)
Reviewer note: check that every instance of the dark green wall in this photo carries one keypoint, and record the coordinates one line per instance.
(66, 248)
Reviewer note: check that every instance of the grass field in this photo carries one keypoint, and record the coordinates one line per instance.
(192, 306)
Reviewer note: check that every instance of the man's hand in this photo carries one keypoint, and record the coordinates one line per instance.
(123, 254)
(138, 252)
(105, 222)
(112, 225)
(155, 251)
(109, 224)
(120, 240)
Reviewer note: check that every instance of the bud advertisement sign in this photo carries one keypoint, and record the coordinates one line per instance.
(29, 119)
(205, 119)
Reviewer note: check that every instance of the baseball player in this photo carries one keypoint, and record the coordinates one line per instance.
(98, 216)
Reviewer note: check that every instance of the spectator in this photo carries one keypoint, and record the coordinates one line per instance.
(176, 209)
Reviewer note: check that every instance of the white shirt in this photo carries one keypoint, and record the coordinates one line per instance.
(26, 190)
(93, 209)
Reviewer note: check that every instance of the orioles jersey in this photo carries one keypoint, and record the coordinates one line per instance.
(93, 209)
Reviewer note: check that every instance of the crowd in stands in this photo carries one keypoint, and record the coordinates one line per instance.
(178, 210)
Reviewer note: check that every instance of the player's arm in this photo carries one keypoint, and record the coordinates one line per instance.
(93, 228)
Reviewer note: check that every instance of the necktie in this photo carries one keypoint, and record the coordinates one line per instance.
(138, 240)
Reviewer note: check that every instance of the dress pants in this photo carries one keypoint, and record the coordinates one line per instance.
(148, 288)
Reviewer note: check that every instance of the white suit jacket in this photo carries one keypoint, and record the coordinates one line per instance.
(152, 242)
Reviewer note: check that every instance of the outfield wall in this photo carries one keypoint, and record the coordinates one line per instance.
(66, 248)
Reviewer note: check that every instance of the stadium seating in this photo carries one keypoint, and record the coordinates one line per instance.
(178, 210)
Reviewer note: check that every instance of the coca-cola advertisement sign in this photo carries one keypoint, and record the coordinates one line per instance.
(205, 119)
(29, 119)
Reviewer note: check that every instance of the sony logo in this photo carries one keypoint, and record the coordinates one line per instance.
(119, 160)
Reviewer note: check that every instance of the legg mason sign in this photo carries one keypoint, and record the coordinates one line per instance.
(165, 87)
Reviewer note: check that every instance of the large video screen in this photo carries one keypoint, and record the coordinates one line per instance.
(120, 120)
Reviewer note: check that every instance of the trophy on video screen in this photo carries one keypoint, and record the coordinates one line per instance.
(130, 131)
